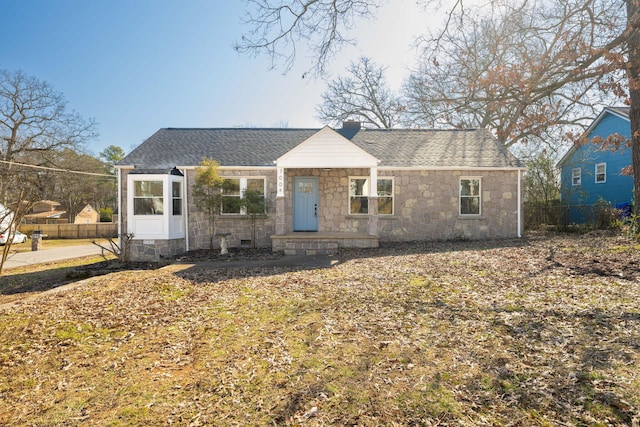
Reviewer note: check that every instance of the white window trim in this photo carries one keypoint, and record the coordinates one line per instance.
(393, 195)
(243, 187)
(149, 178)
(479, 178)
(576, 175)
(181, 198)
(604, 164)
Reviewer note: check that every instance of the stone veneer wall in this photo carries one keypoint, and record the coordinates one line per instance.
(426, 204)
(333, 203)
(238, 227)
(427, 207)
(154, 250)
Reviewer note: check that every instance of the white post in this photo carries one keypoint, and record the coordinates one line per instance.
(280, 172)
(373, 182)
(280, 213)
(373, 201)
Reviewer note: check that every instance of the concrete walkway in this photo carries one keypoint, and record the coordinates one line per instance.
(45, 255)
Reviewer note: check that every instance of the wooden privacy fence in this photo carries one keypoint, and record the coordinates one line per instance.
(72, 231)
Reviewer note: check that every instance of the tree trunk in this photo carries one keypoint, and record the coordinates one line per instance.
(633, 73)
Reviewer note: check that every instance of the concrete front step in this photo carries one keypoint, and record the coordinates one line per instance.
(310, 247)
(308, 243)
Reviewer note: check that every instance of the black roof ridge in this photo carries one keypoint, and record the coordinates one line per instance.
(238, 128)
(337, 129)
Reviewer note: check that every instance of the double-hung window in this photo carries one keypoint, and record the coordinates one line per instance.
(470, 196)
(576, 176)
(359, 196)
(148, 198)
(601, 173)
(234, 188)
(176, 198)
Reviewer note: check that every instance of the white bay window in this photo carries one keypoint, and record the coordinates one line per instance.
(156, 202)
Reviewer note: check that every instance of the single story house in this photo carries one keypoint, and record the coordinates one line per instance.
(46, 212)
(49, 212)
(592, 170)
(325, 188)
(88, 215)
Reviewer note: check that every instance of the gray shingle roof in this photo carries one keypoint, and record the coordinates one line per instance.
(171, 147)
(623, 111)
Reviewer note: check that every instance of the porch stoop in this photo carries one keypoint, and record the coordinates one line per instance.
(312, 243)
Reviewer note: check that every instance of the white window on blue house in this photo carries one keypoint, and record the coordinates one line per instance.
(234, 188)
(576, 176)
(601, 173)
(359, 196)
(470, 196)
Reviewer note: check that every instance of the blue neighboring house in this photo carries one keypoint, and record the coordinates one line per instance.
(589, 173)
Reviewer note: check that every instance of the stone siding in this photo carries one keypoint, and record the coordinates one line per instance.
(333, 203)
(323, 243)
(155, 250)
(427, 207)
(238, 228)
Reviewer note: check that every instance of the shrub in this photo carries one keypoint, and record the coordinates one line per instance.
(106, 214)
(606, 217)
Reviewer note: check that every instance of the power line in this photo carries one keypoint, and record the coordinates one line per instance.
(57, 169)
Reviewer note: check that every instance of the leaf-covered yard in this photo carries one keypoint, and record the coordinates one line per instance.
(539, 331)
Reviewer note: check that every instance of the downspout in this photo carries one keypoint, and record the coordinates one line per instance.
(120, 223)
(186, 210)
(519, 203)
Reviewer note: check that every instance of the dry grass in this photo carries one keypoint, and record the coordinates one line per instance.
(538, 332)
(19, 283)
(55, 243)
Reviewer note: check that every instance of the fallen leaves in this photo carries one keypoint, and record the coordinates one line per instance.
(544, 331)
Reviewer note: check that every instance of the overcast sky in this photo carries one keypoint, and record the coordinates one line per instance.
(137, 66)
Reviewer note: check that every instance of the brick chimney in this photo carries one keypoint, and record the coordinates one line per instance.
(351, 125)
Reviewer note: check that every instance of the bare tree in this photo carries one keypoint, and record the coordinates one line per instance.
(278, 27)
(542, 189)
(363, 95)
(523, 71)
(34, 119)
(22, 184)
(207, 193)
(75, 191)
(600, 40)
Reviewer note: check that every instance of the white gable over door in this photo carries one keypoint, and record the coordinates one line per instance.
(327, 149)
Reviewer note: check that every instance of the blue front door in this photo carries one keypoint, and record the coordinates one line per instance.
(305, 204)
